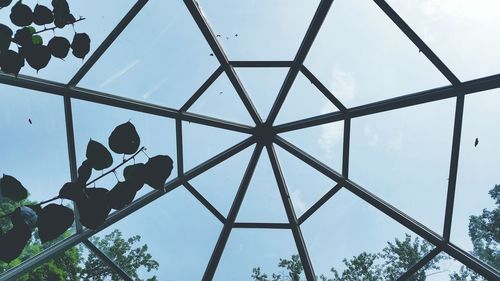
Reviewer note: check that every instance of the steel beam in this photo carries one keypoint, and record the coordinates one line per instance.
(469, 87)
(322, 88)
(107, 42)
(312, 31)
(421, 263)
(205, 202)
(202, 89)
(261, 225)
(107, 260)
(209, 35)
(346, 148)
(231, 217)
(292, 217)
(261, 63)
(319, 203)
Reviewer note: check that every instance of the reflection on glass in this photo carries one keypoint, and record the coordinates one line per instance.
(254, 252)
(403, 156)
(96, 122)
(259, 30)
(444, 25)
(348, 238)
(477, 192)
(262, 85)
(176, 230)
(161, 57)
(295, 108)
(219, 184)
(222, 92)
(362, 56)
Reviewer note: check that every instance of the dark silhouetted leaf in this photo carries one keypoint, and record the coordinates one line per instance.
(13, 189)
(98, 155)
(24, 215)
(121, 195)
(158, 169)
(53, 221)
(13, 242)
(61, 12)
(84, 172)
(21, 15)
(23, 37)
(37, 56)
(94, 210)
(42, 15)
(124, 139)
(36, 208)
(59, 47)
(80, 45)
(135, 174)
(36, 40)
(5, 37)
(73, 191)
(11, 62)
(5, 3)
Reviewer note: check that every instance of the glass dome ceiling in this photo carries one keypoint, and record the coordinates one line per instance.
(317, 128)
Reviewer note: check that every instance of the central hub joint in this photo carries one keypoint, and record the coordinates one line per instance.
(264, 134)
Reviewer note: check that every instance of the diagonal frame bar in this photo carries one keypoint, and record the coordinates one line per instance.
(107, 260)
(421, 263)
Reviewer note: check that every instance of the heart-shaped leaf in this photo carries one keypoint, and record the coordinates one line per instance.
(59, 47)
(5, 37)
(84, 172)
(124, 139)
(5, 3)
(157, 170)
(37, 56)
(121, 195)
(53, 221)
(21, 15)
(11, 62)
(73, 191)
(98, 156)
(135, 175)
(93, 210)
(13, 242)
(11, 188)
(80, 45)
(24, 215)
(42, 15)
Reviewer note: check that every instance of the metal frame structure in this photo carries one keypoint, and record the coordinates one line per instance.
(265, 135)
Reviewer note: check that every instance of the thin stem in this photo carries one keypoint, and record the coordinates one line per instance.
(53, 28)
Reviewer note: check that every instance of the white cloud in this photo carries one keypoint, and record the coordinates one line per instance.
(119, 73)
(297, 200)
(331, 134)
(343, 84)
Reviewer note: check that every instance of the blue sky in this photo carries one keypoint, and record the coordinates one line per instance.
(402, 156)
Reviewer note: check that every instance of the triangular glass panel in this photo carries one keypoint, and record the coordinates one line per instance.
(95, 121)
(222, 92)
(180, 235)
(362, 56)
(201, 142)
(252, 251)
(150, 62)
(324, 142)
(443, 25)
(304, 100)
(262, 85)
(262, 202)
(249, 30)
(34, 145)
(305, 184)
(403, 156)
(347, 231)
(444, 267)
(97, 23)
(219, 184)
(477, 191)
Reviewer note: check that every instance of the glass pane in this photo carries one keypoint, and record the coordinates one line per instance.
(305, 185)
(459, 32)
(160, 58)
(295, 108)
(262, 30)
(201, 142)
(403, 156)
(98, 24)
(262, 202)
(95, 121)
(180, 239)
(362, 56)
(359, 242)
(219, 184)
(444, 267)
(324, 142)
(222, 92)
(256, 250)
(262, 85)
(477, 191)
